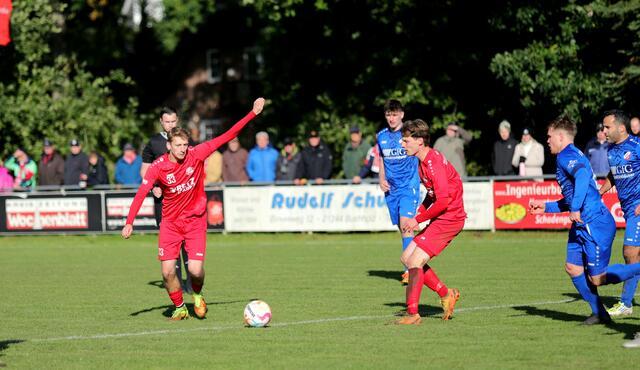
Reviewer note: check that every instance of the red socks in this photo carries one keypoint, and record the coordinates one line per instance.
(414, 289)
(196, 288)
(176, 298)
(431, 280)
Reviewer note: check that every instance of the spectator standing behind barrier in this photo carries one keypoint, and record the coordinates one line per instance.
(316, 160)
(596, 150)
(213, 168)
(6, 180)
(234, 162)
(51, 166)
(23, 168)
(288, 161)
(635, 126)
(128, 167)
(371, 166)
(503, 151)
(76, 166)
(451, 145)
(528, 156)
(98, 174)
(261, 165)
(354, 155)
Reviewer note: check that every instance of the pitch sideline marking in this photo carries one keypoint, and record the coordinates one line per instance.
(304, 322)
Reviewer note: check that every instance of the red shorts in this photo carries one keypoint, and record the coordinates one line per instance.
(434, 238)
(191, 230)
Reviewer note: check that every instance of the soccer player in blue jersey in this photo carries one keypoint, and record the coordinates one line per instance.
(593, 228)
(624, 161)
(399, 174)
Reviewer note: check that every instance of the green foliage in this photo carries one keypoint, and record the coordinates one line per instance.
(56, 97)
(181, 16)
(557, 70)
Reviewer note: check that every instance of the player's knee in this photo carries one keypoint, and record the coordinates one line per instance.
(631, 254)
(573, 270)
(597, 280)
(169, 273)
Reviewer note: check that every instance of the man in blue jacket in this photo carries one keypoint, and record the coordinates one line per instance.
(261, 165)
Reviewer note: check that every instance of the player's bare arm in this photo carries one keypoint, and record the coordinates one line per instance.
(384, 185)
(536, 207)
(607, 185)
(258, 105)
(127, 230)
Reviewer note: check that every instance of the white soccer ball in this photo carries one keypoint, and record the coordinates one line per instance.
(257, 314)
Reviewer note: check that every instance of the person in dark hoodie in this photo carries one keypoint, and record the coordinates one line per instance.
(288, 161)
(76, 166)
(51, 166)
(503, 150)
(316, 160)
(98, 174)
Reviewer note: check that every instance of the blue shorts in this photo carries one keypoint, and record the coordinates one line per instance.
(632, 231)
(402, 203)
(589, 244)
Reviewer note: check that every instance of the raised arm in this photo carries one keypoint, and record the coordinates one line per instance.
(205, 149)
(147, 183)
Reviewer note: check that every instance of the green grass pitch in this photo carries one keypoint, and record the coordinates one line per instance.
(96, 302)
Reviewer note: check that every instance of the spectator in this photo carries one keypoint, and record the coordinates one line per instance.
(316, 160)
(596, 150)
(261, 165)
(6, 180)
(288, 161)
(528, 156)
(213, 168)
(354, 155)
(452, 147)
(503, 151)
(51, 166)
(371, 166)
(234, 162)
(23, 169)
(98, 174)
(128, 167)
(76, 166)
(635, 126)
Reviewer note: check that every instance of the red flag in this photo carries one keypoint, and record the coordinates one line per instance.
(5, 16)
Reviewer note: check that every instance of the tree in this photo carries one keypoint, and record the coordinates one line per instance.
(47, 92)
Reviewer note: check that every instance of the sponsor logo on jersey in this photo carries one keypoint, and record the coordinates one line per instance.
(394, 153)
(171, 179)
(145, 182)
(189, 171)
(627, 156)
(622, 169)
(572, 163)
(190, 184)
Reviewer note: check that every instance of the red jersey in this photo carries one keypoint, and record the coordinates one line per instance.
(444, 189)
(182, 183)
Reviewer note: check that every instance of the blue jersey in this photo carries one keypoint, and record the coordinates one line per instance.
(578, 184)
(624, 161)
(400, 169)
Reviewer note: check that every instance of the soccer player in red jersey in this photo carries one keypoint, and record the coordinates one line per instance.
(444, 208)
(180, 173)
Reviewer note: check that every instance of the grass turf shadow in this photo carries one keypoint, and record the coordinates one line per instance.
(168, 309)
(4, 344)
(627, 329)
(423, 309)
(386, 274)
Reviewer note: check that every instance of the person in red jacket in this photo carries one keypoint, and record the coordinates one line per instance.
(444, 208)
(180, 175)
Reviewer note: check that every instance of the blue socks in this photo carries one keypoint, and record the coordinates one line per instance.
(588, 292)
(628, 290)
(619, 272)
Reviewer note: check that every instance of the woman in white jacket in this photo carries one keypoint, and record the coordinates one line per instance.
(528, 156)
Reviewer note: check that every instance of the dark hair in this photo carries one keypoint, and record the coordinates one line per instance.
(619, 117)
(178, 132)
(563, 122)
(168, 110)
(417, 129)
(393, 105)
